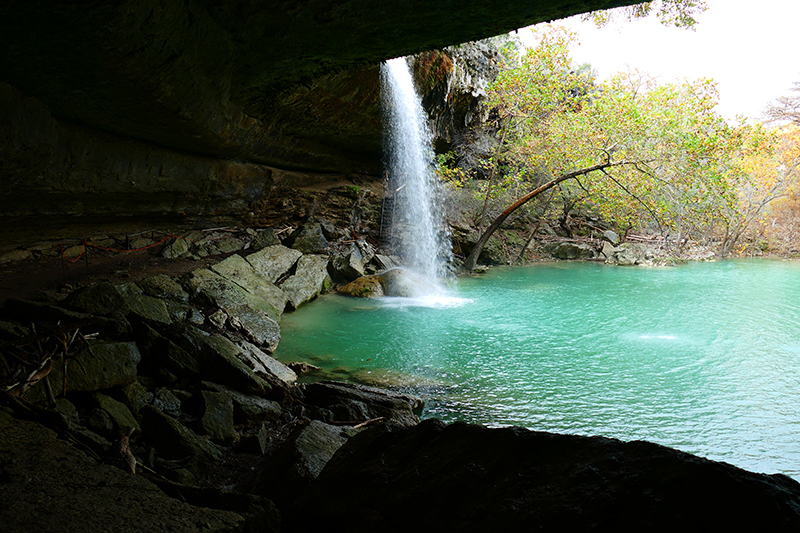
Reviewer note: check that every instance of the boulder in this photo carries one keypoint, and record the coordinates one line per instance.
(308, 238)
(264, 238)
(300, 460)
(611, 237)
(247, 409)
(264, 365)
(218, 245)
(163, 287)
(608, 250)
(397, 282)
(349, 265)
(237, 270)
(103, 366)
(217, 419)
(363, 287)
(177, 248)
(135, 396)
(160, 353)
(166, 402)
(310, 279)
(472, 478)
(255, 318)
(383, 262)
(405, 283)
(629, 254)
(174, 441)
(148, 309)
(273, 262)
(358, 403)
(254, 441)
(101, 299)
(220, 359)
(121, 417)
(571, 250)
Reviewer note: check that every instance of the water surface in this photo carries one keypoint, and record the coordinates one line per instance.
(704, 358)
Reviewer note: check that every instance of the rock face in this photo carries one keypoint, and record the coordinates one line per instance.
(156, 108)
(469, 478)
(35, 465)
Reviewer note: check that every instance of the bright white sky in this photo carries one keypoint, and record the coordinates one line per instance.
(749, 48)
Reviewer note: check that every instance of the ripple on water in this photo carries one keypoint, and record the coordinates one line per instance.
(704, 358)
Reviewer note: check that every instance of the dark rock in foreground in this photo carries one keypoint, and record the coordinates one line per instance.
(34, 495)
(462, 477)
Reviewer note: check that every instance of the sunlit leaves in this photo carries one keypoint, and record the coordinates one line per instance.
(559, 119)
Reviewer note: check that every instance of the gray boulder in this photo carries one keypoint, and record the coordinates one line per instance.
(121, 417)
(264, 365)
(255, 318)
(384, 262)
(264, 238)
(217, 419)
(310, 279)
(273, 262)
(571, 251)
(611, 237)
(237, 270)
(220, 359)
(135, 396)
(161, 355)
(101, 299)
(103, 366)
(349, 265)
(149, 310)
(358, 403)
(608, 250)
(308, 238)
(163, 287)
(629, 254)
(247, 409)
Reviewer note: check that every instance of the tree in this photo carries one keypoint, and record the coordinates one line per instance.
(636, 152)
(786, 108)
(680, 13)
(774, 192)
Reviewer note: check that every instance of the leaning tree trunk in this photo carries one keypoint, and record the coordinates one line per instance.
(472, 259)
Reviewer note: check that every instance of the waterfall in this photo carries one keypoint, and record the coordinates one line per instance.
(417, 232)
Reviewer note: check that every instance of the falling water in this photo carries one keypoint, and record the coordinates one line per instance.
(418, 233)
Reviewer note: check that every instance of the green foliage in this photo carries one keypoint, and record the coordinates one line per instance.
(448, 170)
(677, 162)
(679, 13)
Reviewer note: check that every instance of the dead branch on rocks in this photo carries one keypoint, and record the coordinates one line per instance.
(28, 361)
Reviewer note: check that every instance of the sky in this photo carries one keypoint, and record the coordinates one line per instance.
(749, 48)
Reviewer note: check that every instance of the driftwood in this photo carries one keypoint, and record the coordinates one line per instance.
(356, 424)
(27, 361)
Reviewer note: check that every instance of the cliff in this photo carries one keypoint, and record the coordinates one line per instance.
(166, 108)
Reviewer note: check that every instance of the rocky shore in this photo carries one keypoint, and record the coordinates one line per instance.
(164, 388)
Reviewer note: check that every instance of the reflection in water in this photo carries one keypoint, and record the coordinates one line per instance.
(703, 357)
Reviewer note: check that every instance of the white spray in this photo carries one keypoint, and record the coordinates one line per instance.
(418, 233)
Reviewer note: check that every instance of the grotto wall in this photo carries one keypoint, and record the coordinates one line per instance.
(161, 107)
